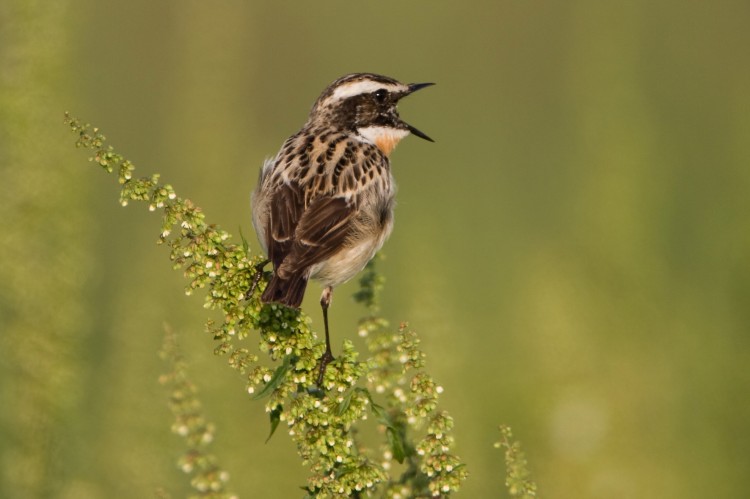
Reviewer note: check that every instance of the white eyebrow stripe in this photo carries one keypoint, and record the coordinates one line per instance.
(364, 87)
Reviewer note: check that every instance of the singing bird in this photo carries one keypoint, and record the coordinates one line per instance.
(324, 205)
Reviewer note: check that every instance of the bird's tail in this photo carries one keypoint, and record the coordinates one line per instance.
(288, 292)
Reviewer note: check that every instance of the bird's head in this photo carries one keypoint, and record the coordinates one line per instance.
(366, 104)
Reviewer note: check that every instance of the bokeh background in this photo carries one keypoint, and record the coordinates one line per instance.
(573, 249)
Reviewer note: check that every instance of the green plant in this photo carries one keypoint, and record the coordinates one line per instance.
(517, 476)
(390, 387)
(208, 479)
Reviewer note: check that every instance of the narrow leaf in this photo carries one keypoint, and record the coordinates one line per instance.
(275, 417)
(343, 406)
(245, 245)
(396, 443)
(276, 379)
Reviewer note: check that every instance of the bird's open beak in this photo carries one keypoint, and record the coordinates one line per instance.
(416, 132)
(413, 87)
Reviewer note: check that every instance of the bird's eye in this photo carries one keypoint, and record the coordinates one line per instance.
(380, 95)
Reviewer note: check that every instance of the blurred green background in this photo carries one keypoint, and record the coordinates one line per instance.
(573, 249)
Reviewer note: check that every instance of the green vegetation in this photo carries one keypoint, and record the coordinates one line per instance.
(572, 250)
(391, 386)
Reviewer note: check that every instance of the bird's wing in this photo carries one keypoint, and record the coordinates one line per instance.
(301, 237)
(312, 216)
(286, 208)
(321, 232)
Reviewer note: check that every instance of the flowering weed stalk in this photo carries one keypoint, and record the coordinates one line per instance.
(390, 387)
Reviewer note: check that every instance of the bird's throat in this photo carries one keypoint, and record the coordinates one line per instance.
(385, 138)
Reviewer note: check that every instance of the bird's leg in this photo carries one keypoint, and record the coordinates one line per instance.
(325, 301)
(256, 278)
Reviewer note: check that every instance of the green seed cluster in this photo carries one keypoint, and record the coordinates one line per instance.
(390, 385)
(207, 478)
(518, 479)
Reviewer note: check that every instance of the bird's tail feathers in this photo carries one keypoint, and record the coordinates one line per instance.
(288, 292)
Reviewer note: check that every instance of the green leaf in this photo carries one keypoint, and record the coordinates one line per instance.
(275, 417)
(276, 379)
(382, 415)
(396, 442)
(394, 432)
(343, 406)
(245, 245)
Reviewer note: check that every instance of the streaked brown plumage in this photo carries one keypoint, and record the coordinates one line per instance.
(324, 205)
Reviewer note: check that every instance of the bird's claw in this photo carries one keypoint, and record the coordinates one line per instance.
(326, 359)
(256, 278)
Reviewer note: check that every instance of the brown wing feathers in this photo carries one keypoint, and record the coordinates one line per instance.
(286, 210)
(321, 232)
(300, 237)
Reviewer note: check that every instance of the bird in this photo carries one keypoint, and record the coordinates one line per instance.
(323, 206)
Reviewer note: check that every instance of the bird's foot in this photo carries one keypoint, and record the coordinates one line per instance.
(326, 359)
(256, 278)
